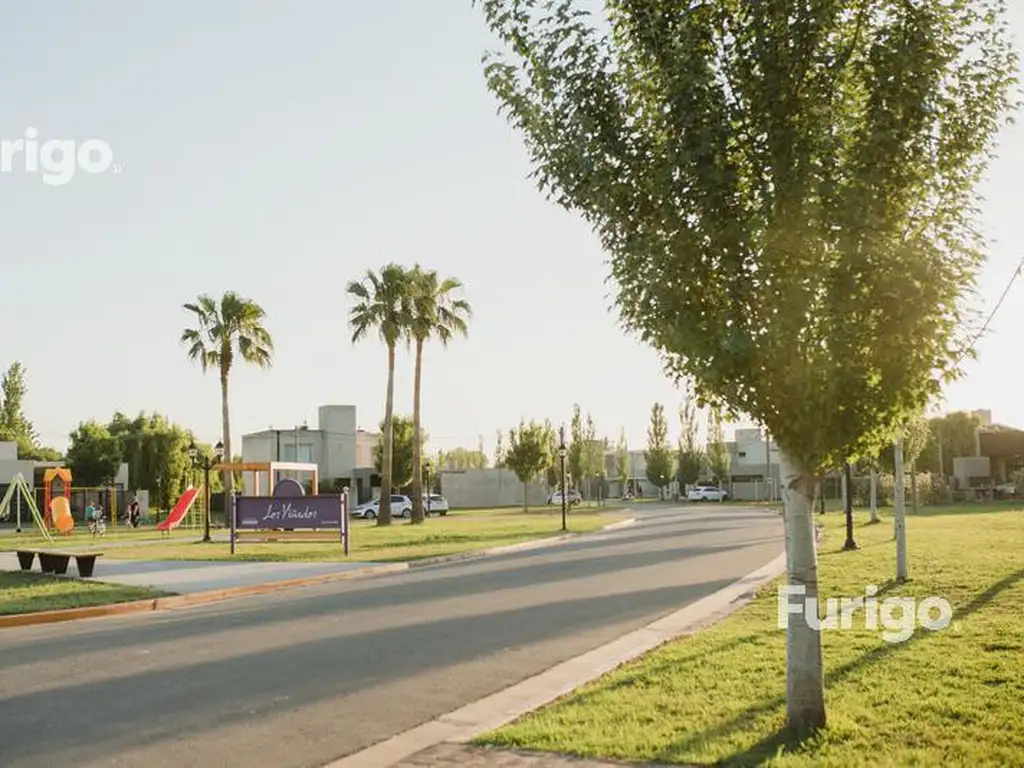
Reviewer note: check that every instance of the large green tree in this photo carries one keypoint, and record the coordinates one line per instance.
(528, 454)
(403, 451)
(156, 452)
(574, 459)
(786, 192)
(658, 456)
(437, 313)
(226, 330)
(15, 426)
(717, 452)
(94, 455)
(383, 305)
(690, 456)
(462, 458)
(622, 462)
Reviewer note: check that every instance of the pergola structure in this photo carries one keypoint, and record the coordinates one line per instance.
(272, 471)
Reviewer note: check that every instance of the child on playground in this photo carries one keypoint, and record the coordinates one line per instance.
(96, 524)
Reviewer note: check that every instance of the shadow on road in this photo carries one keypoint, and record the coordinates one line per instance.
(200, 697)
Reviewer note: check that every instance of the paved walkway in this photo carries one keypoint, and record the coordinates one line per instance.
(476, 757)
(185, 576)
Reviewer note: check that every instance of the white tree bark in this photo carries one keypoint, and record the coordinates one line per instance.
(874, 497)
(805, 685)
(899, 517)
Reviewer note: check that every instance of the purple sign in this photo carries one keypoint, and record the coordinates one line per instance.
(253, 512)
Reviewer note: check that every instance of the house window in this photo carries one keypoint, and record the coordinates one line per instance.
(305, 453)
(742, 454)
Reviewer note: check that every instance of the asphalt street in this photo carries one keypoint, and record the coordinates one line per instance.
(303, 677)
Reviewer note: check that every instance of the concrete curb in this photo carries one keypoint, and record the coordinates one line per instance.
(173, 602)
(475, 554)
(479, 717)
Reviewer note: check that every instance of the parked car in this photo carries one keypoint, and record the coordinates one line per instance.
(707, 493)
(401, 506)
(573, 498)
(438, 504)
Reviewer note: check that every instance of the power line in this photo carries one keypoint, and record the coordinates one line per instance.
(995, 309)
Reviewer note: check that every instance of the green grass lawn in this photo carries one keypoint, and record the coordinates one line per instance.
(33, 592)
(81, 537)
(399, 541)
(949, 697)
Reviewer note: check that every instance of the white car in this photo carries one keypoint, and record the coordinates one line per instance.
(707, 493)
(435, 504)
(401, 506)
(573, 498)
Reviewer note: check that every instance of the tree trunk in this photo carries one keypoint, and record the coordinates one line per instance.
(384, 513)
(526, 506)
(913, 487)
(874, 497)
(225, 416)
(417, 447)
(805, 685)
(899, 509)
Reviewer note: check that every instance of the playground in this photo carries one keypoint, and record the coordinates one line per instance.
(279, 534)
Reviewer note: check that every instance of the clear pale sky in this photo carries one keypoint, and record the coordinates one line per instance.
(281, 149)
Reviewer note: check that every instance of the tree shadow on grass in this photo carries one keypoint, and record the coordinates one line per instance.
(787, 740)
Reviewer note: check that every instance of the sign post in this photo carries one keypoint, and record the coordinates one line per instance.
(233, 506)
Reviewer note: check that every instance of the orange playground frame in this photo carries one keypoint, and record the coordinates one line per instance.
(58, 473)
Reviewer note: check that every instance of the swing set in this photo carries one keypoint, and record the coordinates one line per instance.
(19, 493)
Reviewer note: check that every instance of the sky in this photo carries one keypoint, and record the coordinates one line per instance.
(280, 150)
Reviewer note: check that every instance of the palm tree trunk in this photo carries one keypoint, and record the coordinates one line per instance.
(805, 685)
(226, 426)
(384, 516)
(417, 458)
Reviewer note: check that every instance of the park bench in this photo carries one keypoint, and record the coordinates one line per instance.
(55, 561)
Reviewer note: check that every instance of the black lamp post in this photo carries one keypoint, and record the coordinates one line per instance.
(206, 464)
(426, 484)
(562, 453)
(850, 544)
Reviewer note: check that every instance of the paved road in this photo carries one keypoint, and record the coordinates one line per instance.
(302, 677)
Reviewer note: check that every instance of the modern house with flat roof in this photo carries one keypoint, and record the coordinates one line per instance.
(342, 452)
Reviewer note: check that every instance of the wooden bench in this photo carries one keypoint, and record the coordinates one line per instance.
(55, 561)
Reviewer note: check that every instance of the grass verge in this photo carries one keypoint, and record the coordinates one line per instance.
(80, 537)
(399, 541)
(949, 697)
(34, 592)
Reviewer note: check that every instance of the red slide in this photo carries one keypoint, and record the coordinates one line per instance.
(180, 510)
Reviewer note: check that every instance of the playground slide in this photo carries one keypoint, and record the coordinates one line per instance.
(181, 509)
(60, 511)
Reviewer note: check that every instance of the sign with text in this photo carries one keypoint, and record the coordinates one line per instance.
(254, 512)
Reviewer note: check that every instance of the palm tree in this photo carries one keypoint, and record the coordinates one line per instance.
(226, 330)
(383, 304)
(436, 313)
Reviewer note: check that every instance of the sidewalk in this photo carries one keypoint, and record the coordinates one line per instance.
(188, 576)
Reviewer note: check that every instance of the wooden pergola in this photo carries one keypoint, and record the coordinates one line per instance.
(272, 470)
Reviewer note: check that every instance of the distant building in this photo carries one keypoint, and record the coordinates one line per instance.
(336, 446)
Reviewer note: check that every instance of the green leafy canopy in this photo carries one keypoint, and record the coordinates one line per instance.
(786, 190)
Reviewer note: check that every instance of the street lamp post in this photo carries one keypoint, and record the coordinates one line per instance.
(562, 453)
(426, 484)
(206, 464)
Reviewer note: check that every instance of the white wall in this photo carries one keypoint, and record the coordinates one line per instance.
(488, 488)
(338, 424)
